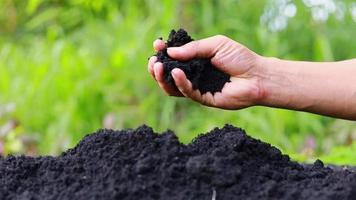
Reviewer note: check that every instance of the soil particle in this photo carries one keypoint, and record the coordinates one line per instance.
(140, 164)
(203, 75)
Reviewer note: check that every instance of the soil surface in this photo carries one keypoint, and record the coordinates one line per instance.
(203, 75)
(140, 164)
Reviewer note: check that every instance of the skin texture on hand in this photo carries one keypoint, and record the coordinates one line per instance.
(326, 88)
(228, 56)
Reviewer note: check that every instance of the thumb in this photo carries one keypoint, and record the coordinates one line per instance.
(205, 48)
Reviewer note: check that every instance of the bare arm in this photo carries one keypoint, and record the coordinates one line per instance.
(327, 88)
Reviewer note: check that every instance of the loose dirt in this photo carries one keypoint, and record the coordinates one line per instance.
(200, 71)
(140, 164)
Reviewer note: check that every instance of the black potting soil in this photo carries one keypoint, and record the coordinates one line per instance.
(200, 71)
(139, 164)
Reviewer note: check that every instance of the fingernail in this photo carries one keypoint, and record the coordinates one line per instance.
(174, 72)
(153, 59)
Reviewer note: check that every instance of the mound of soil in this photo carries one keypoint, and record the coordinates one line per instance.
(203, 75)
(140, 164)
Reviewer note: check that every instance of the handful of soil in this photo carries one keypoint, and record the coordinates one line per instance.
(140, 164)
(203, 75)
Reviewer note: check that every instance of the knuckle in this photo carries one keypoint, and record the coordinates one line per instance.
(205, 102)
(221, 38)
(183, 90)
(194, 45)
(213, 103)
(219, 61)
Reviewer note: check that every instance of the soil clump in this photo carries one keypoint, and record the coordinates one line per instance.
(140, 164)
(203, 75)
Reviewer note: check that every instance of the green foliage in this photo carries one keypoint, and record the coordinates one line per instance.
(72, 67)
(341, 155)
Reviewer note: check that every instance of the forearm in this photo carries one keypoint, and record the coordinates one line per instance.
(323, 88)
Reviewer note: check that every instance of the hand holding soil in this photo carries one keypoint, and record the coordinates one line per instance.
(326, 88)
(228, 56)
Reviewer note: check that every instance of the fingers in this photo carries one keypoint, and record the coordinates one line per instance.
(204, 48)
(184, 85)
(150, 64)
(208, 99)
(158, 74)
(156, 70)
(159, 45)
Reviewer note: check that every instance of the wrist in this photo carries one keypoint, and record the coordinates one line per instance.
(322, 88)
(277, 83)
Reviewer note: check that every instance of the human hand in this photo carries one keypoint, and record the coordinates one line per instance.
(239, 62)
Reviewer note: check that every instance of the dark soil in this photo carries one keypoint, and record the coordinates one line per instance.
(203, 75)
(139, 164)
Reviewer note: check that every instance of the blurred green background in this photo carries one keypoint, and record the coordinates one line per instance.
(70, 67)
